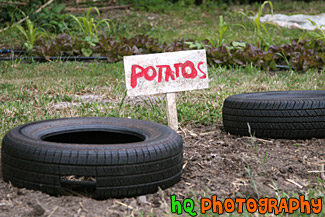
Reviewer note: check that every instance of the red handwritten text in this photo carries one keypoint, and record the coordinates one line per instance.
(187, 69)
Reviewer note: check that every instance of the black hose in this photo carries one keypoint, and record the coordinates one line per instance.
(63, 58)
(283, 67)
(5, 51)
(292, 68)
(83, 58)
(8, 50)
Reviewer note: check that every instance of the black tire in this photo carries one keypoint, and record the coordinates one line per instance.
(110, 156)
(278, 114)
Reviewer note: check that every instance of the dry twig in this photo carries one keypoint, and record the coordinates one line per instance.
(259, 139)
(123, 204)
(295, 183)
(69, 9)
(53, 211)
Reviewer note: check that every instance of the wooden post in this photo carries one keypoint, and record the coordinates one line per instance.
(144, 76)
(172, 111)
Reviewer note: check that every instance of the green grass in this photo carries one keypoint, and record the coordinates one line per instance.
(30, 92)
(201, 23)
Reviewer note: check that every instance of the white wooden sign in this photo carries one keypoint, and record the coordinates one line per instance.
(166, 72)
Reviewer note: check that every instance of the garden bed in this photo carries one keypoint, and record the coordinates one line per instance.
(300, 55)
(214, 163)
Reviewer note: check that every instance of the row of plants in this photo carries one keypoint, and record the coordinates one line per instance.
(95, 37)
(86, 28)
(300, 54)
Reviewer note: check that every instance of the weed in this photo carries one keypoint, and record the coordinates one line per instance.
(250, 132)
(250, 175)
(121, 104)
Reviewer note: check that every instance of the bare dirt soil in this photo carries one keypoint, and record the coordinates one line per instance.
(215, 163)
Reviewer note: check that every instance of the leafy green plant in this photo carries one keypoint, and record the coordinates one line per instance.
(282, 54)
(54, 17)
(89, 28)
(319, 33)
(257, 22)
(8, 11)
(32, 34)
(299, 55)
(195, 45)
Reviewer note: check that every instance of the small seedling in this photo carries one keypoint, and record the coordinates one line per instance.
(89, 26)
(222, 29)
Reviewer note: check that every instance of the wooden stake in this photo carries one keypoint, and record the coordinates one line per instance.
(172, 111)
(13, 3)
